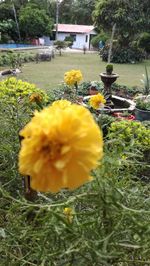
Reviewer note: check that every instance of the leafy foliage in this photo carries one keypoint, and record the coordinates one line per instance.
(13, 89)
(123, 55)
(110, 215)
(8, 30)
(100, 37)
(125, 91)
(70, 40)
(76, 12)
(34, 22)
(144, 41)
(109, 68)
(61, 45)
(126, 131)
(129, 16)
(107, 227)
(132, 138)
(105, 121)
(15, 60)
(143, 103)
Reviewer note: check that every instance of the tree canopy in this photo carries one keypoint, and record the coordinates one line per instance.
(76, 11)
(34, 22)
(130, 17)
(36, 17)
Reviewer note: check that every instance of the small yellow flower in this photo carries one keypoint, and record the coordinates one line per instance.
(68, 212)
(97, 101)
(73, 77)
(60, 147)
(35, 97)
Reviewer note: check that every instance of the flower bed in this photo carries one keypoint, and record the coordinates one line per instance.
(103, 218)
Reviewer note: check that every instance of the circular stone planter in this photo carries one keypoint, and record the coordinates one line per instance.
(120, 104)
(142, 115)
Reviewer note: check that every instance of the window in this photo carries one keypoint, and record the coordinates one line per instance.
(86, 38)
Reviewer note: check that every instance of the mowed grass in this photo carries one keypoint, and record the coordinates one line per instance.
(48, 75)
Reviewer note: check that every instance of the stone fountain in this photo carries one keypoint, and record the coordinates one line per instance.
(114, 103)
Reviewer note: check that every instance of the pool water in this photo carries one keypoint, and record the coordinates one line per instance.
(15, 45)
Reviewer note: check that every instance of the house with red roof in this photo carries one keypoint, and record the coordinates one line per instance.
(81, 34)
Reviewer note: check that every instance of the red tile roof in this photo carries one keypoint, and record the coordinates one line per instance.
(74, 28)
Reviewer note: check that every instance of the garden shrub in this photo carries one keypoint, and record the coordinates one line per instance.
(83, 88)
(15, 60)
(146, 123)
(18, 100)
(117, 89)
(109, 223)
(70, 40)
(12, 88)
(13, 117)
(125, 91)
(62, 92)
(133, 144)
(100, 37)
(59, 45)
(144, 41)
(105, 121)
(123, 55)
(66, 92)
(130, 133)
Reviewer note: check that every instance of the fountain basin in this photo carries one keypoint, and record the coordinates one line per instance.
(120, 104)
(108, 80)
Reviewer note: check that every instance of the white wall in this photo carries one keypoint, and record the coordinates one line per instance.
(80, 40)
(61, 36)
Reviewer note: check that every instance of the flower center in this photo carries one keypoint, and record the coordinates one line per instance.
(52, 149)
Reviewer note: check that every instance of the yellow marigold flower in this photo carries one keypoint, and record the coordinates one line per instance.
(62, 104)
(97, 101)
(73, 77)
(35, 97)
(68, 212)
(60, 147)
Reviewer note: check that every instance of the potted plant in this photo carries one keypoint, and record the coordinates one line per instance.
(109, 69)
(142, 110)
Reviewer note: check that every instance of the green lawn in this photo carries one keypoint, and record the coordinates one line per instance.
(48, 75)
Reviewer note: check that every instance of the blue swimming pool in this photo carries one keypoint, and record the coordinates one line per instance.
(15, 45)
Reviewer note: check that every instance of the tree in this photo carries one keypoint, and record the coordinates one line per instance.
(6, 11)
(129, 16)
(34, 22)
(82, 12)
(48, 5)
(5, 26)
(76, 11)
(8, 30)
(59, 45)
(65, 11)
(9, 10)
